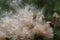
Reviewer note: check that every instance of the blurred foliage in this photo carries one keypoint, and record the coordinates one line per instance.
(4, 6)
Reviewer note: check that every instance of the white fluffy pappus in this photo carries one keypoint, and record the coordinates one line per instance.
(21, 25)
